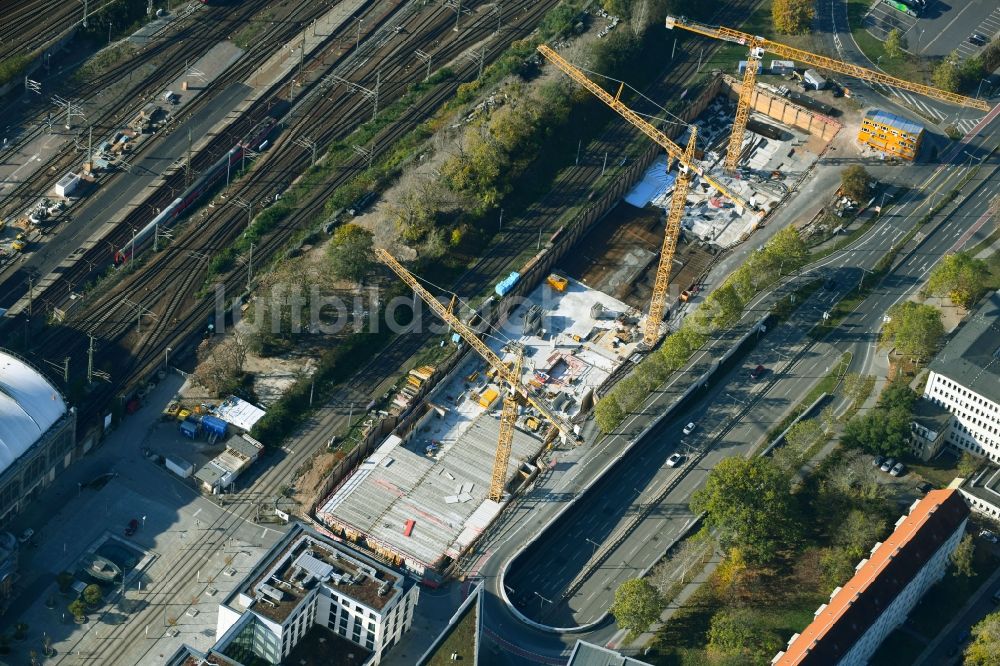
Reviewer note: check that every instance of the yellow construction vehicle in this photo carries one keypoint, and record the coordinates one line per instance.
(508, 375)
(758, 46)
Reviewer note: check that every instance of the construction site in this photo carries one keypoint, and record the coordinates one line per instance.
(426, 493)
(423, 497)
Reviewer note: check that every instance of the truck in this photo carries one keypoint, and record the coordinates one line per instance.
(812, 79)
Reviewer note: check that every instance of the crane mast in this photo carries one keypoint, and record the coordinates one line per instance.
(758, 46)
(504, 372)
(660, 286)
(673, 150)
(508, 417)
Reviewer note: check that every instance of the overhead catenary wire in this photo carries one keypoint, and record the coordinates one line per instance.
(504, 340)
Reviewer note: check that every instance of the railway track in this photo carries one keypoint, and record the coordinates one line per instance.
(29, 25)
(191, 40)
(171, 590)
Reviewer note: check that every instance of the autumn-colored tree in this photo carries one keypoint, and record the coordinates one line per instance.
(961, 276)
(894, 43)
(793, 16)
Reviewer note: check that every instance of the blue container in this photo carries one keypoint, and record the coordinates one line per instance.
(507, 284)
(214, 425)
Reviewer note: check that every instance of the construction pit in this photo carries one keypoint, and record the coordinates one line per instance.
(422, 497)
(620, 255)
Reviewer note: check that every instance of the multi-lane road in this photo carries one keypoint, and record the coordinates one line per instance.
(735, 413)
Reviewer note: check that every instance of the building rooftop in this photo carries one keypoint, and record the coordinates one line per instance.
(239, 412)
(985, 485)
(972, 356)
(877, 581)
(462, 636)
(304, 559)
(930, 415)
(892, 120)
(445, 494)
(588, 654)
(29, 406)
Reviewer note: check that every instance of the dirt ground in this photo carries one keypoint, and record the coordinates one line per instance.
(620, 255)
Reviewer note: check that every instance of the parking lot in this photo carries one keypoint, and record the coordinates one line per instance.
(941, 29)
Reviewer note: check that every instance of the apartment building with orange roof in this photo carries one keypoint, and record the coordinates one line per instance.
(885, 586)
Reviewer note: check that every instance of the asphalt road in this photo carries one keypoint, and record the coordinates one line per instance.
(121, 191)
(562, 549)
(833, 29)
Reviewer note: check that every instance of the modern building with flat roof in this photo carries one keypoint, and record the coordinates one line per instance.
(964, 378)
(307, 582)
(885, 586)
(982, 491)
(891, 134)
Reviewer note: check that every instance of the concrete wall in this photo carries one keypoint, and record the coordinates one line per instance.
(785, 111)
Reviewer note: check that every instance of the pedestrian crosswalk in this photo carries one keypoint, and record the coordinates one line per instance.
(938, 116)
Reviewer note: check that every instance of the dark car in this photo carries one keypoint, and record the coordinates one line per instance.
(977, 39)
(757, 372)
(877, 461)
(132, 527)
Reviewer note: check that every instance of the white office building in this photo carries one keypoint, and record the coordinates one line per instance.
(965, 379)
(308, 580)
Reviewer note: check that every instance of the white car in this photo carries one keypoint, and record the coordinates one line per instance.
(989, 536)
(689, 428)
(674, 460)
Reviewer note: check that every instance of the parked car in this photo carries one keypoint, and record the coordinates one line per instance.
(757, 372)
(924, 487)
(897, 469)
(989, 536)
(996, 597)
(977, 39)
(674, 460)
(887, 464)
(132, 527)
(26, 535)
(689, 428)
(877, 461)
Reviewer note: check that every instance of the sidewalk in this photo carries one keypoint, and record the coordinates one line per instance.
(944, 633)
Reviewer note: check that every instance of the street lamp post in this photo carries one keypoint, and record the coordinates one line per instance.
(593, 543)
(980, 88)
(166, 365)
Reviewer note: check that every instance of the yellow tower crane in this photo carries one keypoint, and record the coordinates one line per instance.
(673, 150)
(684, 157)
(511, 376)
(758, 46)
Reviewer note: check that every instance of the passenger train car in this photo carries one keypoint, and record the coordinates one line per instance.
(257, 140)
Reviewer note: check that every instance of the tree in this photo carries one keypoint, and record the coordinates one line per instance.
(792, 16)
(860, 531)
(78, 609)
(985, 647)
(608, 413)
(968, 465)
(961, 277)
(947, 75)
(740, 633)
(636, 606)
(894, 43)
(897, 395)
(221, 366)
(749, 504)
(855, 181)
(350, 252)
(725, 305)
(961, 558)
(92, 594)
(914, 329)
(836, 566)
(879, 431)
(64, 579)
